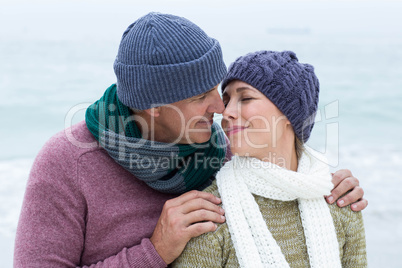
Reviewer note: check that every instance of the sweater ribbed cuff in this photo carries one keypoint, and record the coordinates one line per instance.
(149, 257)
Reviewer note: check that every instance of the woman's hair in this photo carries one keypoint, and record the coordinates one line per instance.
(299, 145)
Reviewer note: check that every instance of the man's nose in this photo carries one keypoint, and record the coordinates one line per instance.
(216, 105)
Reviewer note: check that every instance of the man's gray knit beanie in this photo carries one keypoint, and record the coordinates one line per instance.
(291, 86)
(163, 59)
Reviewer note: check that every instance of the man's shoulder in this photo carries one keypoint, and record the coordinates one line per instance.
(72, 141)
(64, 149)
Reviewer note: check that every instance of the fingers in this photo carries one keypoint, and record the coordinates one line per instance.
(344, 182)
(194, 207)
(340, 175)
(201, 228)
(342, 186)
(353, 196)
(200, 203)
(193, 195)
(195, 210)
(182, 218)
(360, 205)
(202, 216)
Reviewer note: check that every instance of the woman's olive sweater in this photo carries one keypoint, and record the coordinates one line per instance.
(215, 249)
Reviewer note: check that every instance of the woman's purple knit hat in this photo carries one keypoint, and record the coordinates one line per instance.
(291, 86)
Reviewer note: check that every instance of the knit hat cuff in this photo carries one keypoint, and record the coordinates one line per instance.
(146, 86)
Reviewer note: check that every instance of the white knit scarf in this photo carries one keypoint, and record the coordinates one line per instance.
(253, 242)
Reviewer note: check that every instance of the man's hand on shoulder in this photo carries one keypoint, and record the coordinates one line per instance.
(344, 182)
(182, 218)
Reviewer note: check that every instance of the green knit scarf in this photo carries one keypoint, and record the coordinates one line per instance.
(168, 168)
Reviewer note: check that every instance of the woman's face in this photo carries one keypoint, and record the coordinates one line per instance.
(253, 124)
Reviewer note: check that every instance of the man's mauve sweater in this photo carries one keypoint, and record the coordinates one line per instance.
(83, 209)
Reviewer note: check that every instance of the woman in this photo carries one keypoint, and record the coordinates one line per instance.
(272, 190)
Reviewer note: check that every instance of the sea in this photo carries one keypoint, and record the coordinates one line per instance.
(56, 57)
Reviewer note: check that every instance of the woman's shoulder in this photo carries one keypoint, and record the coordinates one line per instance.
(221, 234)
(350, 234)
(344, 214)
(346, 221)
(212, 249)
(213, 189)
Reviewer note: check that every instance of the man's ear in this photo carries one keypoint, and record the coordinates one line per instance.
(154, 112)
(287, 122)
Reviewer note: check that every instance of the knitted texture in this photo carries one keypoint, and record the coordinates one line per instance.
(282, 218)
(168, 168)
(163, 59)
(253, 242)
(291, 86)
(82, 209)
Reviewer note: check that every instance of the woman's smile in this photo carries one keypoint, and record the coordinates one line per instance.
(233, 130)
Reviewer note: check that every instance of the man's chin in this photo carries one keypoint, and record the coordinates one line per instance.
(201, 137)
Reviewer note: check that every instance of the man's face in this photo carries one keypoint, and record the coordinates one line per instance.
(188, 121)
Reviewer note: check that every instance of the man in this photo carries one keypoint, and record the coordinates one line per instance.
(133, 200)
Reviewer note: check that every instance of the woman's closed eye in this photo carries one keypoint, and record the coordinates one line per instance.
(245, 99)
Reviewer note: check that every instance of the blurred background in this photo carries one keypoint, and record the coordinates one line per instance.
(56, 57)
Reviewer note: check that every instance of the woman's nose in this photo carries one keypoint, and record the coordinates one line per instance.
(231, 111)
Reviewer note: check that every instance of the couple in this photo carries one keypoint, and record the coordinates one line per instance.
(133, 199)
